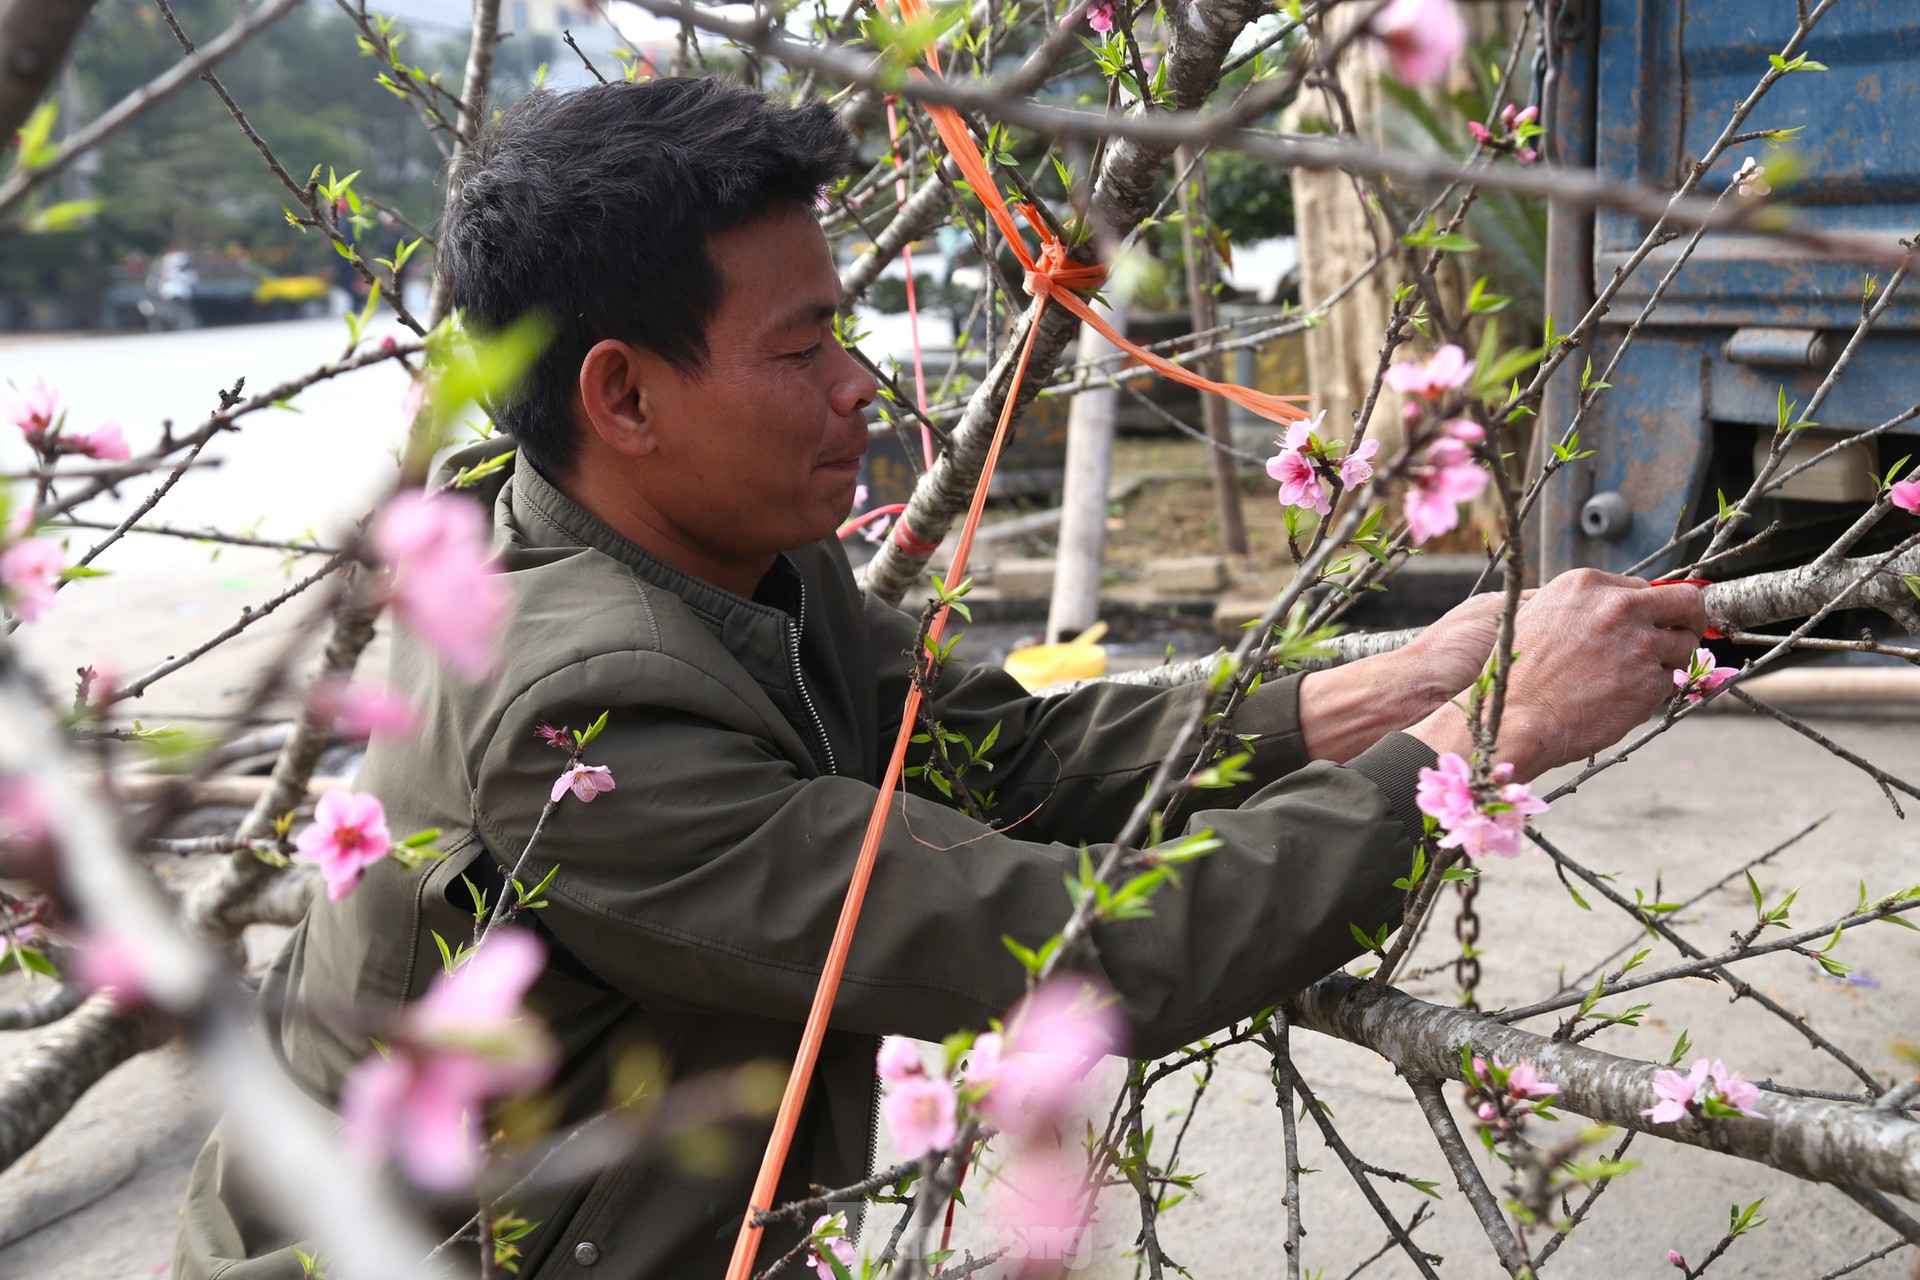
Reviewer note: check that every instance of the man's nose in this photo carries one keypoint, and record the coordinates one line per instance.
(853, 387)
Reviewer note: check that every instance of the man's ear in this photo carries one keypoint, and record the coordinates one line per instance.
(619, 396)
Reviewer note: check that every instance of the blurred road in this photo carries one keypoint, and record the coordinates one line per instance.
(283, 474)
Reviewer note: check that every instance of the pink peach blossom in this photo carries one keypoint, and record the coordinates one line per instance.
(920, 1112)
(107, 962)
(1905, 494)
(1734, 1089)
(1100, 15)
(107, 442)
(35, 410)
(1750, 179)
(1357, 467)
(1481, 134)
(348, 834)
(585, 780)
(365, 708)
(1703, 677)
(1446, 795)
(1422, 38)
(1057, 1033)
(1448, 370)
(23, 815)
(1675, 1260)
(1448, 477)
(836, 1244)
(1524, 1081)
(1038, 1204)
(30, 571)
(467, 1041)
(1471, 826)
(1299, 481)
(1675, 1092)
(1301, 435)
(444, 584)
(899, 1060)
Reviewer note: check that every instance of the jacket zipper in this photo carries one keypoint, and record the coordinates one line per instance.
(800, 680)
(794, 629)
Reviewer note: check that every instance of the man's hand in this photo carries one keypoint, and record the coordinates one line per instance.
(1595, 655)
(1449, 655)
(1347, 709)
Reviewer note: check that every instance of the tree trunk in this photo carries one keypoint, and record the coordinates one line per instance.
(1204, 311)
(1848, 1144)
(1198, 38)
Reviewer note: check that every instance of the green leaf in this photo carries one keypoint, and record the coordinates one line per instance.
(64, 215)
(34, 139)
(1429, 236)
(1800, 63)
(1480, 302)
(591, 732)
(27, 959)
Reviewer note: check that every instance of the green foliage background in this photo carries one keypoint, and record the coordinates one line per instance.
(182, 177)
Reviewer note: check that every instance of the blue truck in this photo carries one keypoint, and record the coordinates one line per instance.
(1640, 89)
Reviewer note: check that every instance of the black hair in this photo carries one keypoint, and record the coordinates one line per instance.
(592, 207)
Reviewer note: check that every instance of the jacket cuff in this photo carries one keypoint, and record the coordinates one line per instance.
(1393, 764)
(1273, 712)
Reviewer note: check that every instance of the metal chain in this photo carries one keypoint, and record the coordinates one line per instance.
(1466, 927)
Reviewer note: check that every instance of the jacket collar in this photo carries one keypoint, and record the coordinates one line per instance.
(761, 635)
(541, 511)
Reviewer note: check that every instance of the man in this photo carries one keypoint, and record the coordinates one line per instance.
(686, 448)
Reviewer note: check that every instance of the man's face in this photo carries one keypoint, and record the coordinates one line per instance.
(759, 450)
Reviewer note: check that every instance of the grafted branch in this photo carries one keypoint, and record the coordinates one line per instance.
(1841, 1143)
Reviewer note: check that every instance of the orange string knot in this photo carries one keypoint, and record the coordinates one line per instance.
(1055, 270)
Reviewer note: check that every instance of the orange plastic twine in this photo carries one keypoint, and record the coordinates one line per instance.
(1052, 276)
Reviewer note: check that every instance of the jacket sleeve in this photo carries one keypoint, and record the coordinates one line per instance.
(1072, 766)
(711, 878)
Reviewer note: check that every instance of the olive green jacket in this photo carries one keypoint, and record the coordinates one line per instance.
(693, 905)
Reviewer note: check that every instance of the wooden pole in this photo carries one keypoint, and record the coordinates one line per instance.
(1204, 309)
(1083, 499)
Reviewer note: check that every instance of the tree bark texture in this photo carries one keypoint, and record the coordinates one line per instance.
(63, 1064)
(1198, 37)
(116, 117)
(52, 1007)
(1737, 605)
(1848, 1144)
(34, 38)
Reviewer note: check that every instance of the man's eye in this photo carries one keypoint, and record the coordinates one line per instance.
(809, 353)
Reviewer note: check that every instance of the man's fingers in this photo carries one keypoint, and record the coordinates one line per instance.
(1675, 649)
(1677, 605)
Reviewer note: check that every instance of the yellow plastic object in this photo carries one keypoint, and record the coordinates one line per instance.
(1039, 666)
(290, 289)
